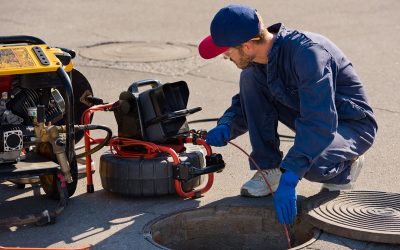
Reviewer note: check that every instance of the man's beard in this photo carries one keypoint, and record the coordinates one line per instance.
(244, 60)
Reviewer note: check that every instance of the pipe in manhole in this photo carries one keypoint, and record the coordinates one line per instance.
(227, 227)
(136, 52)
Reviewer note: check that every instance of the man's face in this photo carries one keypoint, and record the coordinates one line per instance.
(239, 57)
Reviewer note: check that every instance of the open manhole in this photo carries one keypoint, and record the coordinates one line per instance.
(138, 52)
(227, 227)
(361, 215)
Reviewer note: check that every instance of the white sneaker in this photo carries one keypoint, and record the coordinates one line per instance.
(256, 187)
(355, 170)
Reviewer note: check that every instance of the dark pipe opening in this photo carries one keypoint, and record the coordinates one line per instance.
(227, 227)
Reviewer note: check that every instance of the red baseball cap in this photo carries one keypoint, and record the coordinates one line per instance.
(208, 49)
(231, 26)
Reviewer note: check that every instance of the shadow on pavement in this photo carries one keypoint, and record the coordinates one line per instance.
(103, 219)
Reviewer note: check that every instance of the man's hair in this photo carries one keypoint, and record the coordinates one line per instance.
(263, 31)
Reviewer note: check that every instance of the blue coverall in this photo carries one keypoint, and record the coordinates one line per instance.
(310, 86)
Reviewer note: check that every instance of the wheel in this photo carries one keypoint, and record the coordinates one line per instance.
(144, 177)
(81, 87)
(49, 182)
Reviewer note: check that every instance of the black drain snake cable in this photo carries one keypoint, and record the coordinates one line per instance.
(216, 119)
(269, 186)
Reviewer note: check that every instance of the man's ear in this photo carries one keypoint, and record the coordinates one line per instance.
(248, 47)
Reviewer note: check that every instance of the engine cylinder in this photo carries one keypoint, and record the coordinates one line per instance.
(14, 138)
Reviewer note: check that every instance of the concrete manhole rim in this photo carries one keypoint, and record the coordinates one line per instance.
(318, 212)
(147, 231)
(192, 47)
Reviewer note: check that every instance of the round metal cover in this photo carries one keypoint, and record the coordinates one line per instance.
(138, 51)
(361, 215)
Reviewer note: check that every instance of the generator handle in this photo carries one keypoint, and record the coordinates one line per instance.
(71, 52)
(21, 39)
(134, 87)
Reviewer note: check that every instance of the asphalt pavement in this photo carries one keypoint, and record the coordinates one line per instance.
(367, 31)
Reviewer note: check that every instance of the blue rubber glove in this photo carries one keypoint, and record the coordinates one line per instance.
(218, 136)
(285, 198)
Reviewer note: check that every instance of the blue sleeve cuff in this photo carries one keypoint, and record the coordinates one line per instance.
(290, 179)
(299, 166)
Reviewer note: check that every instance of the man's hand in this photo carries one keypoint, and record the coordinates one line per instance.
(285, 198)
(218, 136)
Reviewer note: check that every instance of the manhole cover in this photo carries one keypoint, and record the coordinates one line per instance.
(361, 215)
(153, 57)
(226, 227)
(138, 51)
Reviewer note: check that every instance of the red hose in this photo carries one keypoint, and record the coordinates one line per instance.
(34, 248)
(201, 142)
(117, 148)
(151, 150)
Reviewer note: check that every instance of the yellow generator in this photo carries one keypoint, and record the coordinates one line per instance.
(42, 98)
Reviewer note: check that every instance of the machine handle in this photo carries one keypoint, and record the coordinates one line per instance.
(173, 115)
(214, 163)
(207, 170)
(21, 39)
(178, 184)
(134, 87)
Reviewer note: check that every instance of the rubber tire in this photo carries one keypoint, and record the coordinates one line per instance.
(141, 177)
(79, 85)
(49, 183)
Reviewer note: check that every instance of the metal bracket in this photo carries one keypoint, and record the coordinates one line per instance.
(41, 55)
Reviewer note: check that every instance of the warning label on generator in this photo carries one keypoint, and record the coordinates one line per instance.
(15, 58)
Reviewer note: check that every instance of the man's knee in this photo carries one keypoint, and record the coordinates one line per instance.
(315, 175)
(335, 172)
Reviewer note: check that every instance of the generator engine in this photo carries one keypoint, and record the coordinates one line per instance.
(42, 98)
(18, 109)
